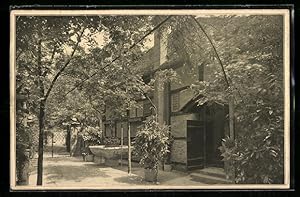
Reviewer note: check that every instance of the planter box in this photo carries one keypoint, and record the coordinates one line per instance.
(109, 152)
(109, 155)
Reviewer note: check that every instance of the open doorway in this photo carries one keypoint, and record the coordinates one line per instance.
(215, 132)
(204, 137)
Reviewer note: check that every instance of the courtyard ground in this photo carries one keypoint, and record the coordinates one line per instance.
(66, 171)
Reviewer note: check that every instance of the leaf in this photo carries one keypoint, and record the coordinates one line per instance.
(40, 99)
(256, 118)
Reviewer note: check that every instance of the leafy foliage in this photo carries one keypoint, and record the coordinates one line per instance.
(50, 47)
(251, 50)
(112, 141)
(92, 135)
(152, 143)
(255, 163)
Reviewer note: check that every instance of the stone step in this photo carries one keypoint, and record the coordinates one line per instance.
(213, 171)
(208, 179)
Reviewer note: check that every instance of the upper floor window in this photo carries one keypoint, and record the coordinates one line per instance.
(201, 72)
(132, 112)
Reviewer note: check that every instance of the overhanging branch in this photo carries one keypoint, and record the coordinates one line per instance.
(65, 65)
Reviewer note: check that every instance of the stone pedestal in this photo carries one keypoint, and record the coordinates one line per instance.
(89, 158)
(112, 162)
(99, 160)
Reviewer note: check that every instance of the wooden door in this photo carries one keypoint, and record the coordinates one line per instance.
(195, 144)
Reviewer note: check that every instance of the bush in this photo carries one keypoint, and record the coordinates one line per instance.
(152, 144)
(112, 141)
(92, 136)
(257, 158)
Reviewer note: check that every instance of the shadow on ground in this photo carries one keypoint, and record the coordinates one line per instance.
(58, 171)
(134, 180)
(138, 177)
(66, 170)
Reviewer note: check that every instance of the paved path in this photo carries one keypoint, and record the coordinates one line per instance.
(66, 171)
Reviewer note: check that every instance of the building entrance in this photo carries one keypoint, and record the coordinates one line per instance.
(204, 138)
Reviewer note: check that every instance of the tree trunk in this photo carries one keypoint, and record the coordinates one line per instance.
(68, 139)
(41, 117)
(44, 98)
(41, 143)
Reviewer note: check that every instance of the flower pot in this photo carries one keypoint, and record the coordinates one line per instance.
(150, 174)
(167, 167)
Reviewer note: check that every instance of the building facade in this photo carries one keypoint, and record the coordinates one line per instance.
(197, 130)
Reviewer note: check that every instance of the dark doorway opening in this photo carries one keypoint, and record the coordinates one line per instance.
(204, 137)
(215, 132)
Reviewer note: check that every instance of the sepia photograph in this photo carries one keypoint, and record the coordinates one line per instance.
(120, 99)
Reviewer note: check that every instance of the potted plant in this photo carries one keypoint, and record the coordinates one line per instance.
(151, 147)
(91, 136)
(167, 162)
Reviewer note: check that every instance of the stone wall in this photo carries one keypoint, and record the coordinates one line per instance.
(179, 151)
(179, 132)
(187, 75)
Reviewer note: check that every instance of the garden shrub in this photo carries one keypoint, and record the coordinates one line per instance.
(152, 143)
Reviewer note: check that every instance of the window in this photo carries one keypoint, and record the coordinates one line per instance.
(175, 101)
(132, 113)
(147, 108)
(201, 72)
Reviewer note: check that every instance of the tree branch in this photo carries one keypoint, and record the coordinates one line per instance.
(51, 59)
(65, 65)
(90, 101)
(119, 56)
(217, 55)
(214, 48)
